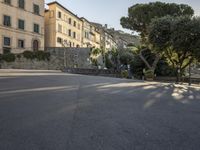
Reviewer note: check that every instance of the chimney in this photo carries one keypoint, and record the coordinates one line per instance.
(106, 26)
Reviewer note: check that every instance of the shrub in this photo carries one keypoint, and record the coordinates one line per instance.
(164, 69)
(108, 62)
(41, 55)
(124, 74)
(18, 56)
(28, 55)
(149, 74)
(96, 51)
(1, 57)
(94, 62)
(126, 57)
(8, 57)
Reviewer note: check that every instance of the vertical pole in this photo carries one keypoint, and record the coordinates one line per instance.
(129, 71)
(190, 74)
(64, 58)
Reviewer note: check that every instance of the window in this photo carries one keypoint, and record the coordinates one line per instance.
(36, 28)
(65, 42)
(21, 4)
(87, 35)
(74, 35)
(74, 23)
(70, 44)
(79, 26)
(36, 9)
(70, 33)
(7, 2)
(59, 15)
(7, 41)
(59, 28)
(7, 21)
(21, 43)
(70, 21)
(21, 24)
(59, 40)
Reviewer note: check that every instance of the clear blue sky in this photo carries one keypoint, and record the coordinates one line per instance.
(110, 11)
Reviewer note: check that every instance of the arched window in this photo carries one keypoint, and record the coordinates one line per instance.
(21, 4)
(35, 45)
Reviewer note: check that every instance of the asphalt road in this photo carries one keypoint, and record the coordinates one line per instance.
(56, 111)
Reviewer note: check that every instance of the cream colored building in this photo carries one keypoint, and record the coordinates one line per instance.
(107, 41)
(91, 36)
(21, 25)
(62, 27)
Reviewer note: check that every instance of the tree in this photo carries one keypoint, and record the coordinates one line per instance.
(140, 17)
(117, 57)
(178, 38)
(126, 56)
(112, 59)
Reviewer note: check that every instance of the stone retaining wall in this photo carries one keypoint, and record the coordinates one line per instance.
(96, 72)
(60, 58)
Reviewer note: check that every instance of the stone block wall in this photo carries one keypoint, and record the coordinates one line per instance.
(60, 58)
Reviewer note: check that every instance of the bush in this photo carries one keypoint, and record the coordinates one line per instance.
(18, 56)
(164, 69)
(149, 74)
(126, 57)
(137, 66)
(94, 62)
(28, 55)
(8, 57)
(108, 62)
(41, 55)
(1, 57)
(95, 51)
(124, 74)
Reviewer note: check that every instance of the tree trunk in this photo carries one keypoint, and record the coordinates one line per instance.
(154, 65)
(144, 60)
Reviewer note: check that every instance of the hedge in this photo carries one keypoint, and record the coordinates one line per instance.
(8, 57)
(39, 55)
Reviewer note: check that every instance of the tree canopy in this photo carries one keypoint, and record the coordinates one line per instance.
(178, 38)
(140, 15)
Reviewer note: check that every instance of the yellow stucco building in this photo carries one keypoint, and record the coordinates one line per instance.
(21, 25)
(91, 36)
(62, 27)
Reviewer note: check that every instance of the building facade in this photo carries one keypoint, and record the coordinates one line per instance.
(21, 25)
(107, 41)
(110, 42)
(91, 36)
(62, 27)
